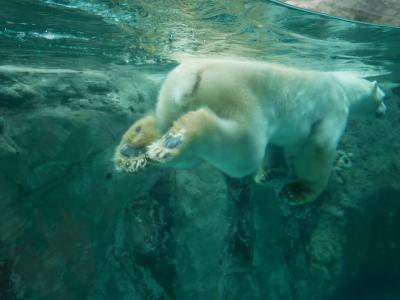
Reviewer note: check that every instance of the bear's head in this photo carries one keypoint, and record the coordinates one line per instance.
(378, 95)
(371, 99)
(130, 154)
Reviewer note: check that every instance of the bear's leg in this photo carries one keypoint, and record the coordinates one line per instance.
(274, 169)
(312, 168)
(192, 128)
(201, 134)
(130, 154)
(314, 161)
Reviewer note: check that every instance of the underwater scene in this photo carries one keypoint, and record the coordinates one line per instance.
(199, 150)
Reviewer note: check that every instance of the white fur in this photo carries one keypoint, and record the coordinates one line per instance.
(232, 109)
(264, 103)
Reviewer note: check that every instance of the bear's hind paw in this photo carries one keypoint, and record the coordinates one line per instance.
(297, 193)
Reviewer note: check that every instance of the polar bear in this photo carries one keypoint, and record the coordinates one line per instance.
(243, 116)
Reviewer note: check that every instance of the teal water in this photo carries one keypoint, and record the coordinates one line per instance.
(139, 32)
(74, 74)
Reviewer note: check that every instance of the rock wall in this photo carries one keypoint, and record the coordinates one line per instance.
(60, 197)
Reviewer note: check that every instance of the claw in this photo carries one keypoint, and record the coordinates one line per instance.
(166, 148)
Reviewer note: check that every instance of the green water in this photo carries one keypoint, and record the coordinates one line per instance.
(74, 74)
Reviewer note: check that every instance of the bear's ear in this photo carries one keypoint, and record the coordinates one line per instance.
(379, 95)
(376, 91)
(374, 87)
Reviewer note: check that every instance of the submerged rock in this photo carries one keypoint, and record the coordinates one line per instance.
(60, 196)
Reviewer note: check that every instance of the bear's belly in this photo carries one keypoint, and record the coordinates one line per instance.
(290, 134)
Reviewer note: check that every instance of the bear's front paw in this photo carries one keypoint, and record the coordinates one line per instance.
(166, 148)
(297, 193)
(130, 159)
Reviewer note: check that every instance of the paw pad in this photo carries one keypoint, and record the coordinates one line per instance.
(172, 141)
(129, 151)
(296, 193)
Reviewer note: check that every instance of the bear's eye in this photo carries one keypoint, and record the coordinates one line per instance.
(137, 129)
